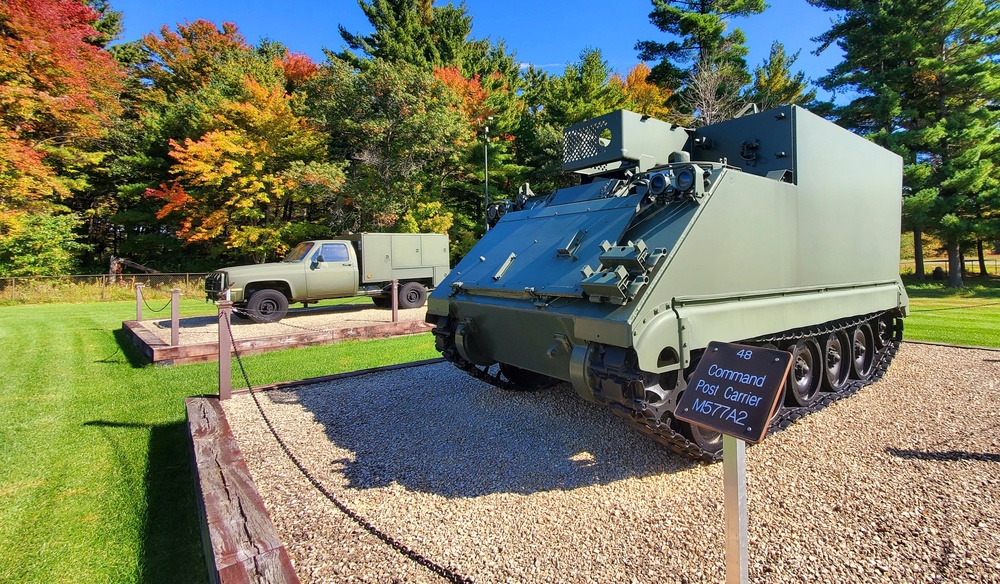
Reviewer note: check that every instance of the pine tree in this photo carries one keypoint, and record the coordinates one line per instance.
(927, 75)
(699, 36)
(410, 31)
(774, 84)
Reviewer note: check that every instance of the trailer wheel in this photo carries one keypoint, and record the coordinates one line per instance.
(267, 306)
(412, 295)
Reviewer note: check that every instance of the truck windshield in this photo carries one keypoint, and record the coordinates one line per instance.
(300, 251)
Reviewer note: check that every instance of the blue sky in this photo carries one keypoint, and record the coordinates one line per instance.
(548, 34)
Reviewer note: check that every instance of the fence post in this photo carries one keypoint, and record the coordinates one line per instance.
(395, 301)
(138, 302)
(175, 320)
(225, 342)
(13, 284)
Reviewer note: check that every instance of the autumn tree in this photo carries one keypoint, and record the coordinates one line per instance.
(645, 97)
(58, 95)
(227, 159)
(252, 179)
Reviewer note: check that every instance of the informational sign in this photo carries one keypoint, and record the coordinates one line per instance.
(734, 390)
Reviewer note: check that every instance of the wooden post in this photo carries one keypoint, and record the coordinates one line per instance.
(395, 301)
(138, 302)
(12, 288)
(225, 342)
(175, 320)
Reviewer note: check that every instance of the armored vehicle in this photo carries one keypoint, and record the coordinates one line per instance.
(776, 229)
(364, 264)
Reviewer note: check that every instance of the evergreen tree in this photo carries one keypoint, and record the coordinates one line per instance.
(927, 75)
(699, 36)
(774, 84)
(410, 31)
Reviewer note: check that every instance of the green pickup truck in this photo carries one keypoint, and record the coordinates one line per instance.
(356, 265)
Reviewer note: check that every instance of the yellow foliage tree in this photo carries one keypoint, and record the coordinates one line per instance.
(644, 97)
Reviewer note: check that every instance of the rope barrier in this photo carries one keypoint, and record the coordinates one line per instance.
(385, 538)
(151, 309)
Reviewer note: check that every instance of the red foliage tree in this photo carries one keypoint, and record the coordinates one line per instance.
(57, 91)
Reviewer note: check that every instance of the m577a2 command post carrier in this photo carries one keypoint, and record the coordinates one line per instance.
(777, 229)
(357, 265)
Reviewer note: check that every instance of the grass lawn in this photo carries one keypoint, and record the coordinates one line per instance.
(968, 316)
(94, 478)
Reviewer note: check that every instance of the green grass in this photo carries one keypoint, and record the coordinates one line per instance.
(95, 484)
(967, 316)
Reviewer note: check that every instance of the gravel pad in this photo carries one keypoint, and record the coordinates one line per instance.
(205, 329)
(899, 483)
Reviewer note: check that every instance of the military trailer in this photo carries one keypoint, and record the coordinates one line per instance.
(777, 229)
(364, 264)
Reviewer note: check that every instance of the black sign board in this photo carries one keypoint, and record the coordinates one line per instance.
(734, 390)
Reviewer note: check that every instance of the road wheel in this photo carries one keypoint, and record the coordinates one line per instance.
(382, 301)
(708, 440)
(837, 359)
(412, 295)
(864, 352)
(267, 306)
(806, 376)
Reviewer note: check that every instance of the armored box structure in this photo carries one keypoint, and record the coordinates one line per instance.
(779, 229)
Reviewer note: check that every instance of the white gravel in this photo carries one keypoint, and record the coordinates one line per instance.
(204, 329)
(900, 483)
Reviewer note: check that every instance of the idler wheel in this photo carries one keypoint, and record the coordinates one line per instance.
(837, 359)
(884, 329)
(708, 440)
(864, 351)
(806, 377)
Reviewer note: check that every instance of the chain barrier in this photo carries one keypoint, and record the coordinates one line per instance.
(151, 309)
(957, 307)
(368, 526)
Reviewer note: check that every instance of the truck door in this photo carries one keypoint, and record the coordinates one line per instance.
(333, 272)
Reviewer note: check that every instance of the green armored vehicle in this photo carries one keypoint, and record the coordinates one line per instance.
(357, 265)
(777, 229)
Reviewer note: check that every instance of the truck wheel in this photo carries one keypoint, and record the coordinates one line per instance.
(382, 301)
(267, 306)
(412, 295)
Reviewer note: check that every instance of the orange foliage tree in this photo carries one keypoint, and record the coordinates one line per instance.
(644, 97)
(58, 95)
(248, 172)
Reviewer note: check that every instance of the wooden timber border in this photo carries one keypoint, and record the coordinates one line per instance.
(239, 540)
(158, 352)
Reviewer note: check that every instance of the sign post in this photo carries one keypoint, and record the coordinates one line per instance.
(734, 390)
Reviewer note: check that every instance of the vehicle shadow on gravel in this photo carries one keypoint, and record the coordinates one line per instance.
(434, 429)
(944, 456)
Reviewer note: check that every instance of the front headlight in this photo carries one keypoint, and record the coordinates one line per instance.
(684, 179)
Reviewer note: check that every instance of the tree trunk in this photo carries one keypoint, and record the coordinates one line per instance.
(954, 265)
(918, 254)
(982, 259)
